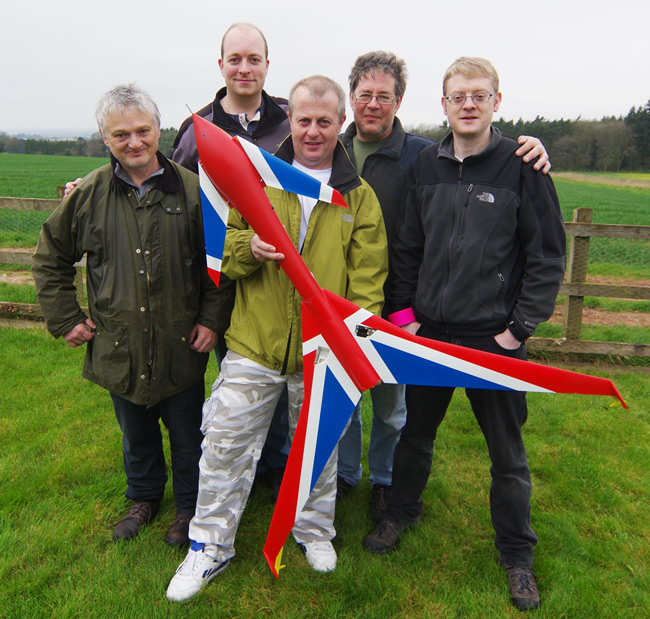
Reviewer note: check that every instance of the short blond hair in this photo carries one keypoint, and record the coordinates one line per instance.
(244, 26)
(470, 67)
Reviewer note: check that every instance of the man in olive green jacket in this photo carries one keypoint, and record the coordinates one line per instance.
(346, 250)
(151, 302)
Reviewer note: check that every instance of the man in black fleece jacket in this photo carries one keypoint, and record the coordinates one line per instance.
(477, 261)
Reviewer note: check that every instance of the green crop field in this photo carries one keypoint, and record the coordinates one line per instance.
(34, 176)
(37, 176)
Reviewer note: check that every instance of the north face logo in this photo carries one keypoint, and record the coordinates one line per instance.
(485, 197)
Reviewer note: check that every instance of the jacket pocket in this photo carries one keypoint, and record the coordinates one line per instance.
(186, 366)
(111, 358)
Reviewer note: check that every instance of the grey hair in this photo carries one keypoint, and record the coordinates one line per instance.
(318, 86)
(380, 62)
(123, 96)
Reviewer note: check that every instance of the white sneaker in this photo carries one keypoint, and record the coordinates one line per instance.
(320, 555)
(198, 569)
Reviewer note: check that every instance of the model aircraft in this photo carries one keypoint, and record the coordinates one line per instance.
(346, 349)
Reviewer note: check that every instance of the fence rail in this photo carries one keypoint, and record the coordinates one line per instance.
(28, 204)
(575, 288)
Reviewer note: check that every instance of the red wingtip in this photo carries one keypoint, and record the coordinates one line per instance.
(337, 199)
(214, 276)
(271, 563)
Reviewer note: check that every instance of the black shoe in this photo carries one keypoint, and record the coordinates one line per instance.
(522, 587)
(385, 537)
(342, 487)
(141, 513)
(379, 502)
(177, 534)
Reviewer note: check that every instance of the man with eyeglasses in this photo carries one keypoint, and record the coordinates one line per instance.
(383, 154)
(478, 261)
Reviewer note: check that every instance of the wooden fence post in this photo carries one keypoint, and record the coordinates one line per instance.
(577, 274)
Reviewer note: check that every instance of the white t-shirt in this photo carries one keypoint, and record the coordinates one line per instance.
(306, 203)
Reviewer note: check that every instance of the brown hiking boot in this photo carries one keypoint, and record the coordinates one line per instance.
(385, 537)
(522, 587)
(177, 534)
(141, 513)
(379, 502)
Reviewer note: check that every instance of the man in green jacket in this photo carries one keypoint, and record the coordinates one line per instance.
(150, 300)
(346, 250)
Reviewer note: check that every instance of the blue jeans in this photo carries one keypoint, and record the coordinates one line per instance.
(501, 416)
(142, 447)
(388, 417)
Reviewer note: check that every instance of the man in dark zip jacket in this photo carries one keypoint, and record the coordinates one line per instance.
(242, 108)
(478, 261)
(383, 154)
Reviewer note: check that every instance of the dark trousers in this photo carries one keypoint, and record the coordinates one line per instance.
(144, 460)
(500, 415)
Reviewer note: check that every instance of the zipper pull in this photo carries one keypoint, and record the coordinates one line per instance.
(470, 188)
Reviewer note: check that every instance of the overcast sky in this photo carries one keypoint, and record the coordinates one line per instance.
(555, 58)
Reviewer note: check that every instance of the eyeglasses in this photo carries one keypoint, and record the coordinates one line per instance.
(458, 99)
(366, 97)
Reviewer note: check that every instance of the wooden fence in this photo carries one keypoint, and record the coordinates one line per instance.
(575, 288)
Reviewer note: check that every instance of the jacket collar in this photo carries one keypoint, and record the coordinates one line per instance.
(272, 111)
(344, 175)
(446, 148)
(168, 181)
(392, 146)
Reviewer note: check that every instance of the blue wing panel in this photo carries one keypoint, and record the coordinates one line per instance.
(335, 412)
(214, 227)
(409, 369)
(291, 179)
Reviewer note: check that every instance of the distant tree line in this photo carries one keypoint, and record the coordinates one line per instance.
(81, 147)
(608, 145)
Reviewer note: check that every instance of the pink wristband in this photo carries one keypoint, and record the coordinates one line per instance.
(403, 317)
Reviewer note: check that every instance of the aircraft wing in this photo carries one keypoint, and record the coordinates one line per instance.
(330, 398)
(215, 221)
(281, 175)
(399, 358)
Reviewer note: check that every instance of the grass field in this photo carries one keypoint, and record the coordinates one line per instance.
(62, 485)
(34, 176)
(37, 176)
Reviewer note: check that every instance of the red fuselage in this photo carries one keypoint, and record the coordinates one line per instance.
(240, 185)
